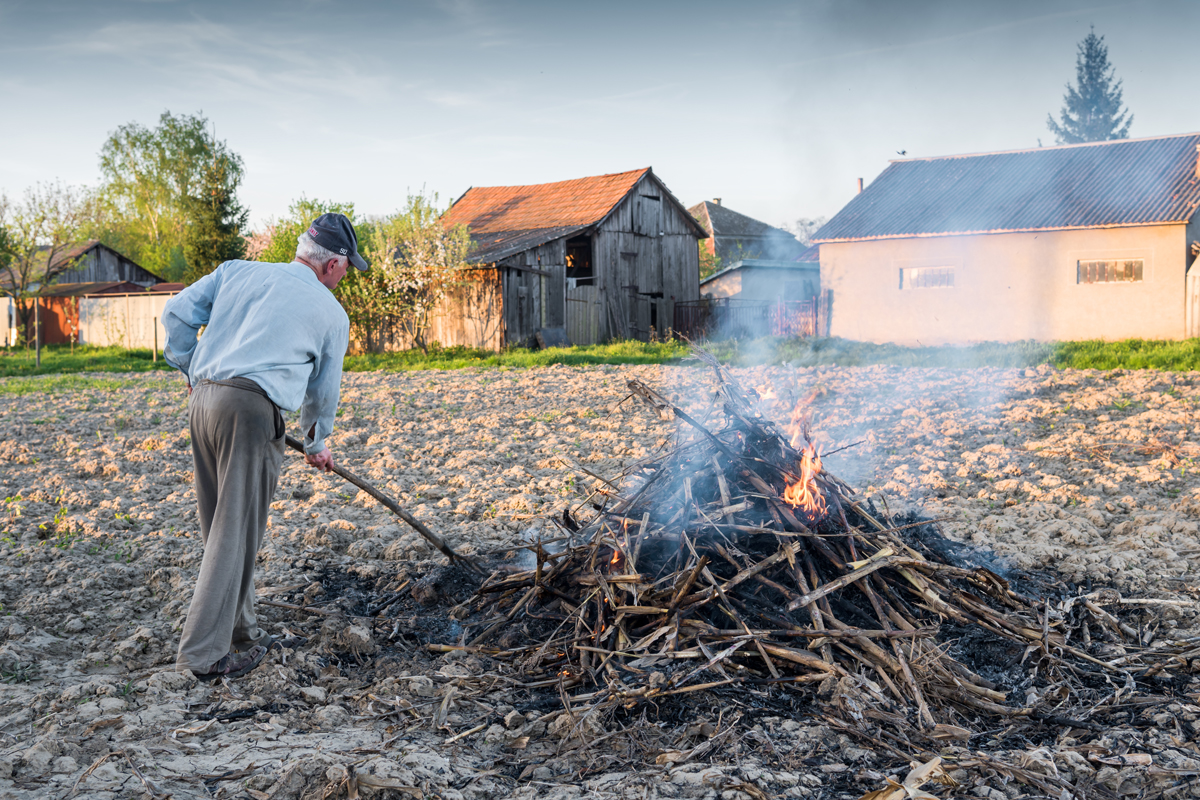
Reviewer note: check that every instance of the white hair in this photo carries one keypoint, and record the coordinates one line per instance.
(309, 250)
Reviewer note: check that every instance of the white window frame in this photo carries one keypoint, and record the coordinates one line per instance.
(1126, 264)
(939, 277)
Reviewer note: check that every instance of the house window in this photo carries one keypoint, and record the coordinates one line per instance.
(1119, 270)
(927, 278)
(579, 261)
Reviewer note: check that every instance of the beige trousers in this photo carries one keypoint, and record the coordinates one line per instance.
(237, 447)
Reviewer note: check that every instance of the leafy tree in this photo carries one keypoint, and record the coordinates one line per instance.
(417, 259)
(710, 262)
(151, 180)
(1092, 110)
(215, 221)
(370, 306)
(35, 235)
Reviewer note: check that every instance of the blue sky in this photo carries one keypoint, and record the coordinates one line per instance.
(776, 107)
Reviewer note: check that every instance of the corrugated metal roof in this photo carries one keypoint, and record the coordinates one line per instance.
(1104, 184)
(812, 253)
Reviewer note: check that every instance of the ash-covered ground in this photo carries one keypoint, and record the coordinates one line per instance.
(1090, 475)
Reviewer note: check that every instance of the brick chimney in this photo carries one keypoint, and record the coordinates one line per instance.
(860, 179)
(717, 200)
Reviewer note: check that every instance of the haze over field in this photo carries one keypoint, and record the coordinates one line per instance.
(777, 107)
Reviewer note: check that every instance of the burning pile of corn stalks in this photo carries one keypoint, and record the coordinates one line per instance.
(735, 559)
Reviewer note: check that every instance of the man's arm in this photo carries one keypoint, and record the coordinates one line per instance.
(184, 315)
(321, 399)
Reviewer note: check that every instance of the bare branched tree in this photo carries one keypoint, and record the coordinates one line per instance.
(805, 228)
(36, 234)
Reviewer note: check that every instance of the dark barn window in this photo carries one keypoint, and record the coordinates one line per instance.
(580, 271)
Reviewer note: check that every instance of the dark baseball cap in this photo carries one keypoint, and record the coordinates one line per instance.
(335, 233)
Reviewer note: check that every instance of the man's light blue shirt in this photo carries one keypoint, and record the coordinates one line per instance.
(275, 324)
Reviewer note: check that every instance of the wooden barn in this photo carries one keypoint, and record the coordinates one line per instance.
(604, 257)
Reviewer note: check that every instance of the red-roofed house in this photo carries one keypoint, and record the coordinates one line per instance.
(604, 257)
(1056, 243)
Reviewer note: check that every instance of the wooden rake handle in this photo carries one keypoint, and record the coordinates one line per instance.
(395, 508)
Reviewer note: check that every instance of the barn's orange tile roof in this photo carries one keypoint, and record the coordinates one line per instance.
(564, 204)
(1103, 184)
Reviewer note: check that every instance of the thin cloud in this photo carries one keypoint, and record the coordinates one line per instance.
(953, 37)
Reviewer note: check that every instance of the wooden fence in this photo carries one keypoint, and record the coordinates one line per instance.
(123, 320)
(728, 318)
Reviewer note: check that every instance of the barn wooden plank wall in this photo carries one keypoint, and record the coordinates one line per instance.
(646, 258)
(533, 300)
(583, 315)
(101, 264)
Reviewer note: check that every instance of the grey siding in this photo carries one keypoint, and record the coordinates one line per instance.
(646, 258)
(532, 300)
(102, 264)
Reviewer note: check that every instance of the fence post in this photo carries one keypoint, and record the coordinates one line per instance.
(37, 331)
(154, 323)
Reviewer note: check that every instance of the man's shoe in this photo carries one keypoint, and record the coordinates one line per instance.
(234, 665)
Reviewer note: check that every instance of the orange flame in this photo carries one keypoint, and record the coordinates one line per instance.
(766, 392)
(804, 493)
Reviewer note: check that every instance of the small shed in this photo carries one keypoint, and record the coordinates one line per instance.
(605, 257)
(766, 280)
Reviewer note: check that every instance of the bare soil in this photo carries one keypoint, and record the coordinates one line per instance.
(1087, 475)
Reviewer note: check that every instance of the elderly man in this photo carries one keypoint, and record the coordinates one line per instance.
(274, 338)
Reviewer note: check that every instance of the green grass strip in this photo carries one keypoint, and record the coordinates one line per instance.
(58, 359)
(16, 365)
(59, 384)
(1178, 356)
(630, 352)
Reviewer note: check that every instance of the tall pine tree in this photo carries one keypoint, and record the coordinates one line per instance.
(1092, 110)
(215, 219)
